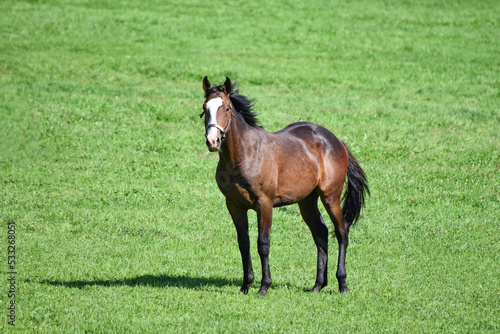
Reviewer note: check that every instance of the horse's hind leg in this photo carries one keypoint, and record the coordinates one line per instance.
(332, 206)
(311, 215)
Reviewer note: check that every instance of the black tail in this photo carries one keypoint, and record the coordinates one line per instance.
(354, 196)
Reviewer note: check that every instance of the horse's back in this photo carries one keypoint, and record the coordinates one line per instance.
(313, 134)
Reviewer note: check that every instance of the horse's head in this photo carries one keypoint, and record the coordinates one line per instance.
(217, 110)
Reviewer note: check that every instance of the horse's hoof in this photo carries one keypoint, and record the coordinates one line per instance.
(262, 291)
(244, 289)
(316, 289)
(344, 290)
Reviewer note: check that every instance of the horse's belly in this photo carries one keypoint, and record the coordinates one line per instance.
(295, 194)
(296, 182)
(282, 201)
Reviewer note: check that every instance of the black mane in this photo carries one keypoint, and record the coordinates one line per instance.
(240, 102)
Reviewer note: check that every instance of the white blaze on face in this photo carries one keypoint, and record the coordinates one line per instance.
(213, 106)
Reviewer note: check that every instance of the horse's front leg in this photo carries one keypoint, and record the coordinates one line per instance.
(264, 217)
(240, 220)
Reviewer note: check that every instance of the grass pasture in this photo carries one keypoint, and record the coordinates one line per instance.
(120, 226)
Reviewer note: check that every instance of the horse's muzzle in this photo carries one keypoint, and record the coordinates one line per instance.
(213, 139)
(213, 146)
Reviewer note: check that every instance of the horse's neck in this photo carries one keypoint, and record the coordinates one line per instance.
(239, 135)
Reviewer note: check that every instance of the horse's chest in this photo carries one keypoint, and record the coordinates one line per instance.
(235, 187)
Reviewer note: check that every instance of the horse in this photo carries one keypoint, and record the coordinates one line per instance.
(259, 170)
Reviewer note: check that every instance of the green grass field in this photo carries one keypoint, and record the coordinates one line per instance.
(120, 226)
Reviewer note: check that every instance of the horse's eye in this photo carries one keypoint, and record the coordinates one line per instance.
(227, 109)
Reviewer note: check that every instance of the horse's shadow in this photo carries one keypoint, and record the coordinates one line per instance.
(158, 281)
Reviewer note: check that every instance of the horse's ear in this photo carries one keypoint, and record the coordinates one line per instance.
(227, 86)
(206, 84)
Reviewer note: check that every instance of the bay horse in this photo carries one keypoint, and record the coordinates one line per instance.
(260, 170)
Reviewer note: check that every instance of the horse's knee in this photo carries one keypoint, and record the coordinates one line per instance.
(263, 247)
